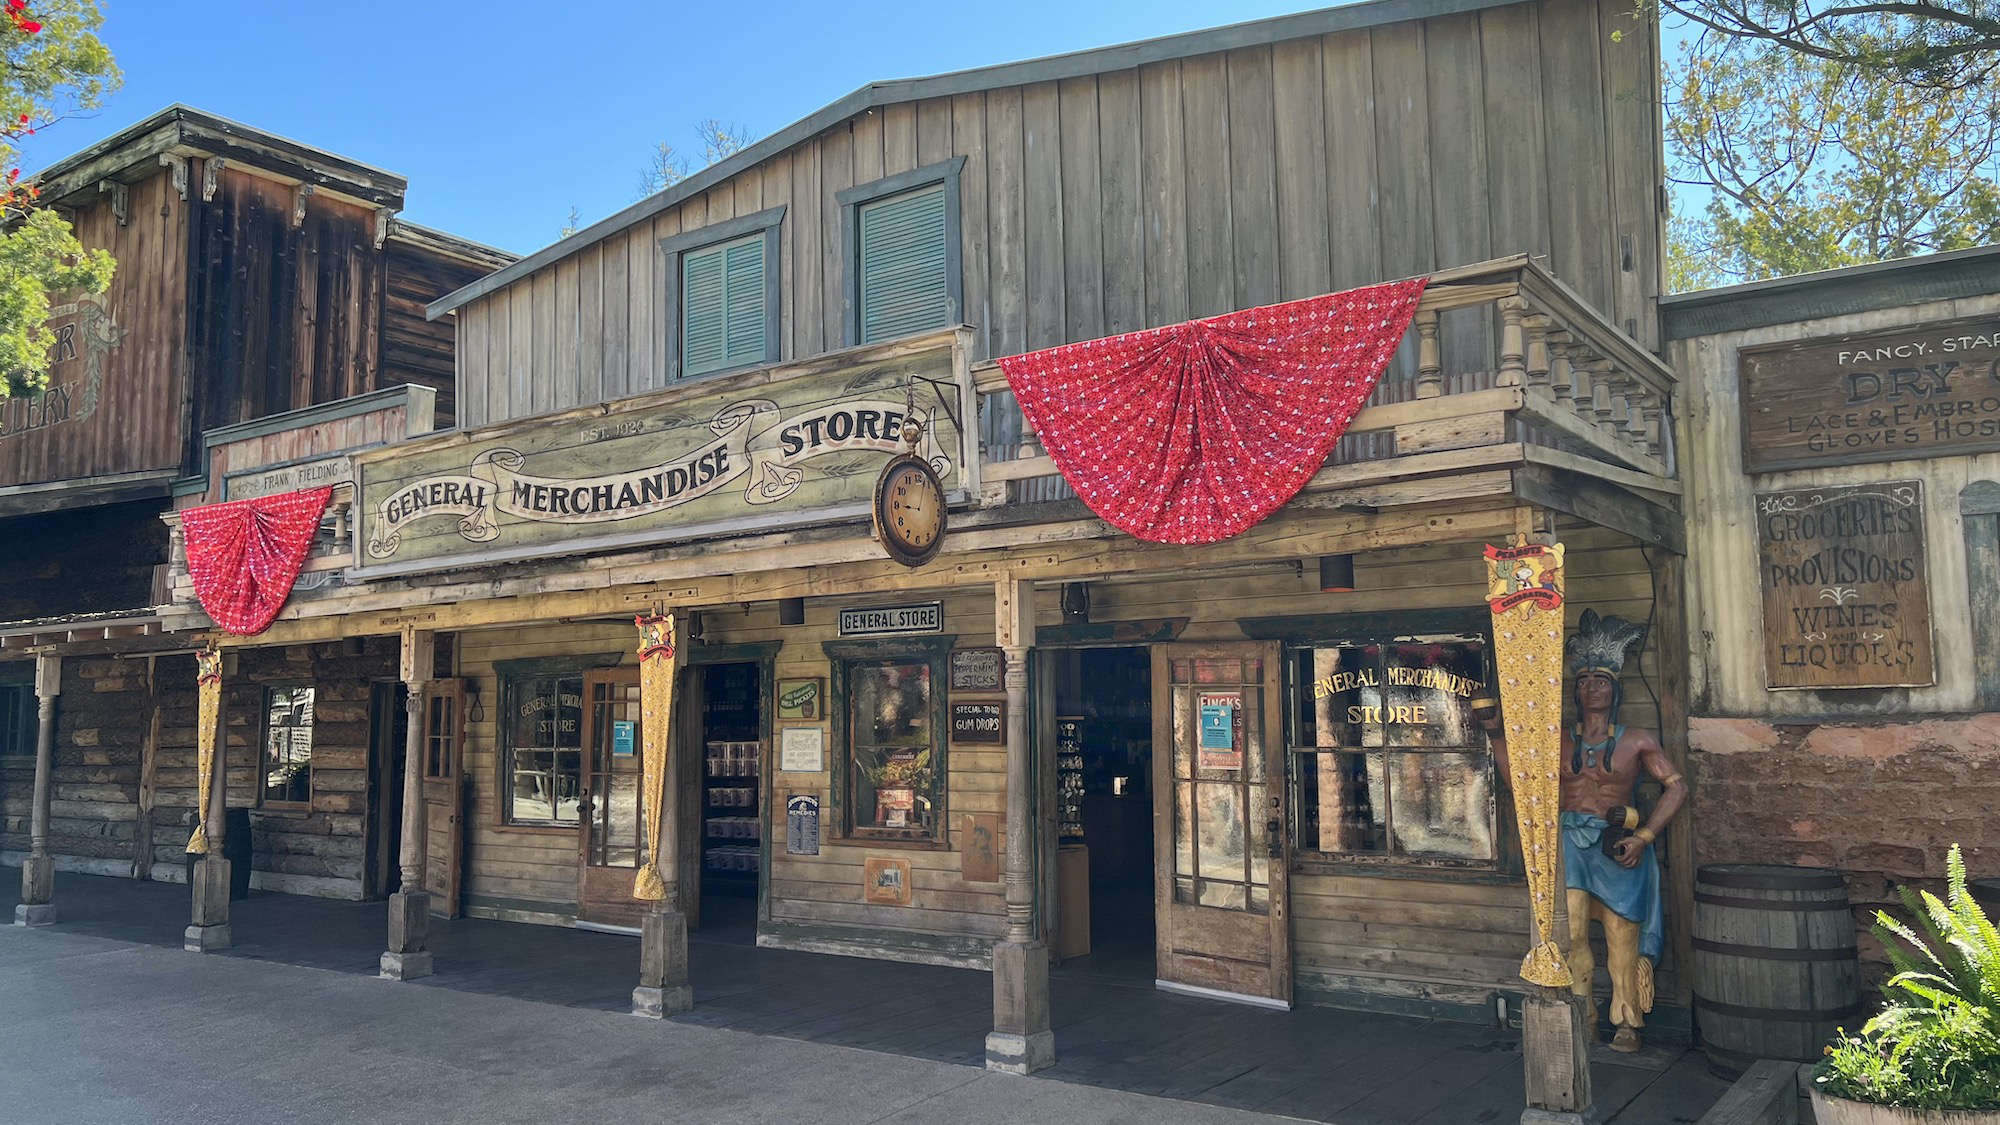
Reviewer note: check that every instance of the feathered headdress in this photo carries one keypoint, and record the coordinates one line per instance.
(1601, 644)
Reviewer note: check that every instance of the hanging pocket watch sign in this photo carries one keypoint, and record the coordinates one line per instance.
(909, 505)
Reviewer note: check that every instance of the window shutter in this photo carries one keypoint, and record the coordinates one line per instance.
(903, 286)
(722, 306)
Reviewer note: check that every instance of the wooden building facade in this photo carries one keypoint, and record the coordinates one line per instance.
(1842, 463)
(969, 760)
(257, 278)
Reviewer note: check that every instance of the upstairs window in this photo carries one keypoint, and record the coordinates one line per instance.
(902, 241)
(723, 296)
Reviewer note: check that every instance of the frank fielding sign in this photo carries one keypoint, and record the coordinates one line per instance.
(710, 463)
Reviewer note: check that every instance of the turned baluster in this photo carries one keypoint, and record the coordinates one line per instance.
(1430, 366)
(1536, 327)
(1513, 346)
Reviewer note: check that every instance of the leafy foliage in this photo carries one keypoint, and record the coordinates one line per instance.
(1945, 44)
(1797, 162)
(1936, 1043)
(55, 66)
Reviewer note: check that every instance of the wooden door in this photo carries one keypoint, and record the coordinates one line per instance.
(611, 836)
(443, 786)
(1219, 887)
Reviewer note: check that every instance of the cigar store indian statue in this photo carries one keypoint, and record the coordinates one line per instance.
(1609, 863)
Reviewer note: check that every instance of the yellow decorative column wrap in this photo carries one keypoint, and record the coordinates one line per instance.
(208, 707)
(658, 662)
(1525, 591)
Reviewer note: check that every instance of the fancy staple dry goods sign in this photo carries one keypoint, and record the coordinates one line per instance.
(1882, 396)
(1846, 602)
(753, 452)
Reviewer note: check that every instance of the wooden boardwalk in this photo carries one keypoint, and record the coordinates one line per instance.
(1113, 1029)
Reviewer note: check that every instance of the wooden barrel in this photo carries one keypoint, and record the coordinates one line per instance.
(1775, 972)
(1986, 892)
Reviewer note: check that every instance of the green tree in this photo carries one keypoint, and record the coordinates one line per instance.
(55, 67)
(1786, 161)
(1949, 44)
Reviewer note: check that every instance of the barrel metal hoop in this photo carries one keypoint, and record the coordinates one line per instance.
(1766, 904)
(1781, 1015)
(1800, 881)
(1768, 953)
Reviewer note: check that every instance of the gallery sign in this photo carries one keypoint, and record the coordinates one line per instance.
(317, 473)
(80, 337)
(1881, 396)
(756, 451)
(1846, 600)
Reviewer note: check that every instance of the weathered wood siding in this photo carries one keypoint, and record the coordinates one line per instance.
(416, 349)
(1184, 188)
(133, 422)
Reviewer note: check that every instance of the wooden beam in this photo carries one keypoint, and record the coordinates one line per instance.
(1605, 505)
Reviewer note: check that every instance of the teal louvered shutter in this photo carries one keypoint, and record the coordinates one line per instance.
(903, 287)
(722, 306)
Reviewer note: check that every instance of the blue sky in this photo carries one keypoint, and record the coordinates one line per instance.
(503, 115)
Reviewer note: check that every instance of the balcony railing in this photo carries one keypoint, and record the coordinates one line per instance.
(1503, 365)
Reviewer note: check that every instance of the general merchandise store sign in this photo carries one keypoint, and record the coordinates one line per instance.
(757, 451)
(1881, 396)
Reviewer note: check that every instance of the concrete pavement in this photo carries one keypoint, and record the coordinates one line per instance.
(104, 1031)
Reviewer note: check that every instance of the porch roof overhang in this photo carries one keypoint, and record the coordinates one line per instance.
(126, 631)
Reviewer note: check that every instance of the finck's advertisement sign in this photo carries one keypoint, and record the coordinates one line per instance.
(663, 467)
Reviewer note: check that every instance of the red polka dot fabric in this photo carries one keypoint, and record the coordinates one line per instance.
(1194, 432)
(244, 555)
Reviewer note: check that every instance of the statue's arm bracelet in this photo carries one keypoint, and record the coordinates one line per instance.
(1670, 782)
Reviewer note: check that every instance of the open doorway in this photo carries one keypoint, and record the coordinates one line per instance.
(732, 725)
(1104, 808)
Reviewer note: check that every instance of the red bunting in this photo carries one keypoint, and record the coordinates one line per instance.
(1194, 432)
(244, 555)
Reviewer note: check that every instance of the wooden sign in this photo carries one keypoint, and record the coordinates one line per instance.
(978, 669)
(317, 473)
(1846, 599)
(758, 450)
(979, 848)
(885, 882)
(1881, 396)
(983, 720)
(891, 620)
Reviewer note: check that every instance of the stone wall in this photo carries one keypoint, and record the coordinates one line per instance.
(1882, 801)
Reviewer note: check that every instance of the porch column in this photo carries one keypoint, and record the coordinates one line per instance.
(1020, 1042)
(1557, 1028)
(664, 987)
(37, 906)
(409, 953)
(208, 927)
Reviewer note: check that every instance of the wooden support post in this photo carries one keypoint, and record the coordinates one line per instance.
(409, 954)
(1556, 1032)
(1669, 643)
(149, 764)
(1021, 1041)
(37, 906)
(664, 987)
(208, 925)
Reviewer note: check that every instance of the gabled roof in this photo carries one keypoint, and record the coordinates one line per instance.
(134, 153)
(1837, 292)
(1372, 13)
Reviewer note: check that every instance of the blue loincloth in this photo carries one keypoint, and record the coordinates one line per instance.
(1632, 893)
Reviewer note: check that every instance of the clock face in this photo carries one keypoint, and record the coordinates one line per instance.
(909, 511)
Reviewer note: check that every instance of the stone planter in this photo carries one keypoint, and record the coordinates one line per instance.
(1840, 1111)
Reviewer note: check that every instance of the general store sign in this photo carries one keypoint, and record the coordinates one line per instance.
(758, 450)
(1882, 396)
(1846, 598)
(890, 620)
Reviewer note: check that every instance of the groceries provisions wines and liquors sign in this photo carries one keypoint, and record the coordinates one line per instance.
(1846, 594)
(1882, 396)
(768, 448)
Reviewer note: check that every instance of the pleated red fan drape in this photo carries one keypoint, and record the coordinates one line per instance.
(1194, 432)
(244, 555)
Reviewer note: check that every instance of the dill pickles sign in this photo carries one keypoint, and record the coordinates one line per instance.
(757, 450)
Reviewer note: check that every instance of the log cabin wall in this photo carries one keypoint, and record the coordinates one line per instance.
(115, 403)
(1875, 782)
(1127, 198)
(80, 560)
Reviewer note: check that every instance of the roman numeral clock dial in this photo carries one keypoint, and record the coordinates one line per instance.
(909, 510)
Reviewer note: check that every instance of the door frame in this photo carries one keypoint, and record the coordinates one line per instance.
(1274, 819)
(618, 676)
(453, 787)
(687, 780)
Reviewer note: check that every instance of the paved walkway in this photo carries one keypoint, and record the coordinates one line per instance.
(524, 1021)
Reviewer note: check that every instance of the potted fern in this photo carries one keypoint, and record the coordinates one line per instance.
(1932, 1055)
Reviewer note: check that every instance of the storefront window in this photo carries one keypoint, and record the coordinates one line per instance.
(542, 748)
(1389, 760)
(288, 746)
(889, 746)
